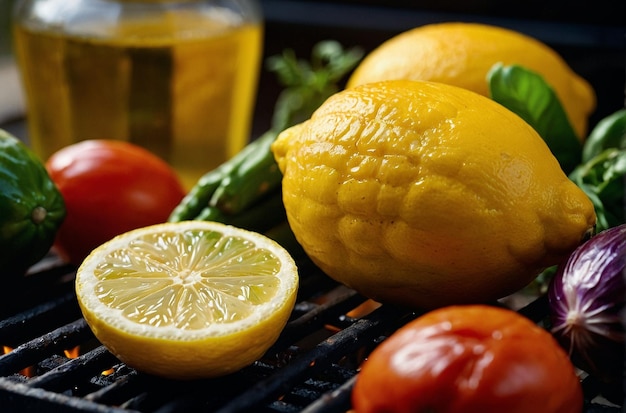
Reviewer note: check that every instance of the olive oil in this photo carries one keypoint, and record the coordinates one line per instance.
(186, 94)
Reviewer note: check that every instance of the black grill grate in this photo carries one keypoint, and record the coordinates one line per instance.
(310, 369)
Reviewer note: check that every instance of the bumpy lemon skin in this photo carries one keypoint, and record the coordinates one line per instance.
(189, 360)
(425, 194)
(462, 54)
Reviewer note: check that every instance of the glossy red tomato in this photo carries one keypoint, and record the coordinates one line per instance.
(464, 359)
(109, 187)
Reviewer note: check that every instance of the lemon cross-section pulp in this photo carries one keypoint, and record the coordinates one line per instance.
(187, 300)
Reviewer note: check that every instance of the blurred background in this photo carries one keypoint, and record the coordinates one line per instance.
(589, 35)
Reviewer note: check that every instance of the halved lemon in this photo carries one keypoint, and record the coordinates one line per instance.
(187, 300)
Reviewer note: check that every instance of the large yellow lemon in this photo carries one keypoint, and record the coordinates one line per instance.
(462, 54)
(426, 194)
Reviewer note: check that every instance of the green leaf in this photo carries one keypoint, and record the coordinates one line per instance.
(330, 58)
(527, 94)
(610, 132)
(309, 83)
(602, 178)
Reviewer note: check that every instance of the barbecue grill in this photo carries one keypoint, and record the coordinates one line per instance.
(53, 363)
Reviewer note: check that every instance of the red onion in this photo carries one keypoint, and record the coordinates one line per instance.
(587, 302)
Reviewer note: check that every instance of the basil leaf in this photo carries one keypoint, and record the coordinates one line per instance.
(602, 178)
(610, 132)
(527, 94)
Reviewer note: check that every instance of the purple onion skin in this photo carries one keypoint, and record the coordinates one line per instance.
(587, 300)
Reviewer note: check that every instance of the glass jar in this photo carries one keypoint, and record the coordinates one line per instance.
(178, 77)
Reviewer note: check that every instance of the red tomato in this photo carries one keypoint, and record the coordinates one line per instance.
(109, 187)
(463, 359)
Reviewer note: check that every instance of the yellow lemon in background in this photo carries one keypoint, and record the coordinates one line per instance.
(187, 300)
(462, 54)
(426, 194)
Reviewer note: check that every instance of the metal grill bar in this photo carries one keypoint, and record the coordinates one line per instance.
(38, 319)
(311, 368)
(55, 341)
(344, 342)
(337, 400)
(75, 370)
(19, 397)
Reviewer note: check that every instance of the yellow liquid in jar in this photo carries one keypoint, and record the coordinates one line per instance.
(187, 98)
